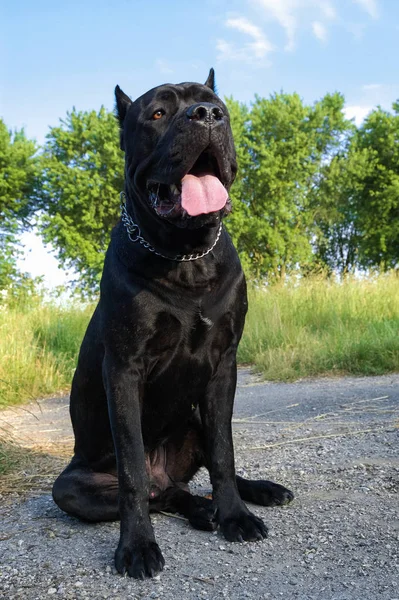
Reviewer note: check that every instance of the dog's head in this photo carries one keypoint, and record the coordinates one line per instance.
(180, 158)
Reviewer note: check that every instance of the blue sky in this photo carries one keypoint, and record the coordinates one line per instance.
(55, 55)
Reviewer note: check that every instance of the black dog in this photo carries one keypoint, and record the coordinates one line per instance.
(152, 397)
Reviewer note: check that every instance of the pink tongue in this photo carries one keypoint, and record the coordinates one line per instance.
(203, 194)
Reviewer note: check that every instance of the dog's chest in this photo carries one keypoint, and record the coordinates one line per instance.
(182, 356)
(199, 337)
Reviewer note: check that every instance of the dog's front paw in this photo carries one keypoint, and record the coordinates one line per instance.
(244, 527)
(139, 561)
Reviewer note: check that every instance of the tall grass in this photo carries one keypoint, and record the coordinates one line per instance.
(38, 349)
(321, 326)
(312, 328)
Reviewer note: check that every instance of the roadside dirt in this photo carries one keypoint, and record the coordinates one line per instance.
(333, 441)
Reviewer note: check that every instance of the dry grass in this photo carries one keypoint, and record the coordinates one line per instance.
(34, 469)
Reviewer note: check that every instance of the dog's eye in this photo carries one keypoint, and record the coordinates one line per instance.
(158, 115)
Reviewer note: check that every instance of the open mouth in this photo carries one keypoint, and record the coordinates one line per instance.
(201, 191)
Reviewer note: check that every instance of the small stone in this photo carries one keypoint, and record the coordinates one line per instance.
(51, 591)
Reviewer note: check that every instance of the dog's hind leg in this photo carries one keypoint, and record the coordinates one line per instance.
(200, 512)
(172, 467)
(263, 492)
(86, 494)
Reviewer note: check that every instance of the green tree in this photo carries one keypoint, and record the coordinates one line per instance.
(378, 200)
(337, 235)
(18, 199)
(82, 177)
(286, 144)
(359, 189)
(238, 221)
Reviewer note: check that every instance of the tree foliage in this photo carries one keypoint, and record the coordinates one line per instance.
(82, 177)
(377, 214)
(18, 183)
(282, 145)
(360, 188)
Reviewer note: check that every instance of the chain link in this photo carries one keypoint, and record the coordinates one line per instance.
(134, 234)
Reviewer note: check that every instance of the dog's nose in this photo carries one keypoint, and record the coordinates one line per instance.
(205, 112)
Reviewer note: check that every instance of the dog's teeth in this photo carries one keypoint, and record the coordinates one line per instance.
(174, 189)
(153, 198)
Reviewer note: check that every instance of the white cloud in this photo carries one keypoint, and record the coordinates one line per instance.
(319, 31)
(242, 24)
(358, 113)
(368, 97)
(328, 10)
(370, 6)
(261, 45)
(288, 14)
(251, 51)
(291, 15)
(282, 11)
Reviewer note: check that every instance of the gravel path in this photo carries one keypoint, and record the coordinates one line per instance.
(333, 441)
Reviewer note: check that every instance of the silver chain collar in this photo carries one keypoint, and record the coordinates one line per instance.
(134, 234)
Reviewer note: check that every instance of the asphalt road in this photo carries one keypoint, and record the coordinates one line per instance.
(334, 442)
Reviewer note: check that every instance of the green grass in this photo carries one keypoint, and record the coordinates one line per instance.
(38, 349)
(316, 327)
(321, 327)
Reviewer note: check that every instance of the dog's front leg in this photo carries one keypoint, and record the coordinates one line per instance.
(137, 554)
(236, 521)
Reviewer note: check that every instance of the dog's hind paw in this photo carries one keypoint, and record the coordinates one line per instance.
(264, 492)
(269, 493)
(203, 514)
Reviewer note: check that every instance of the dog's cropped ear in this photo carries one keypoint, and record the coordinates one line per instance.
(210, 82)
(122, 104)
